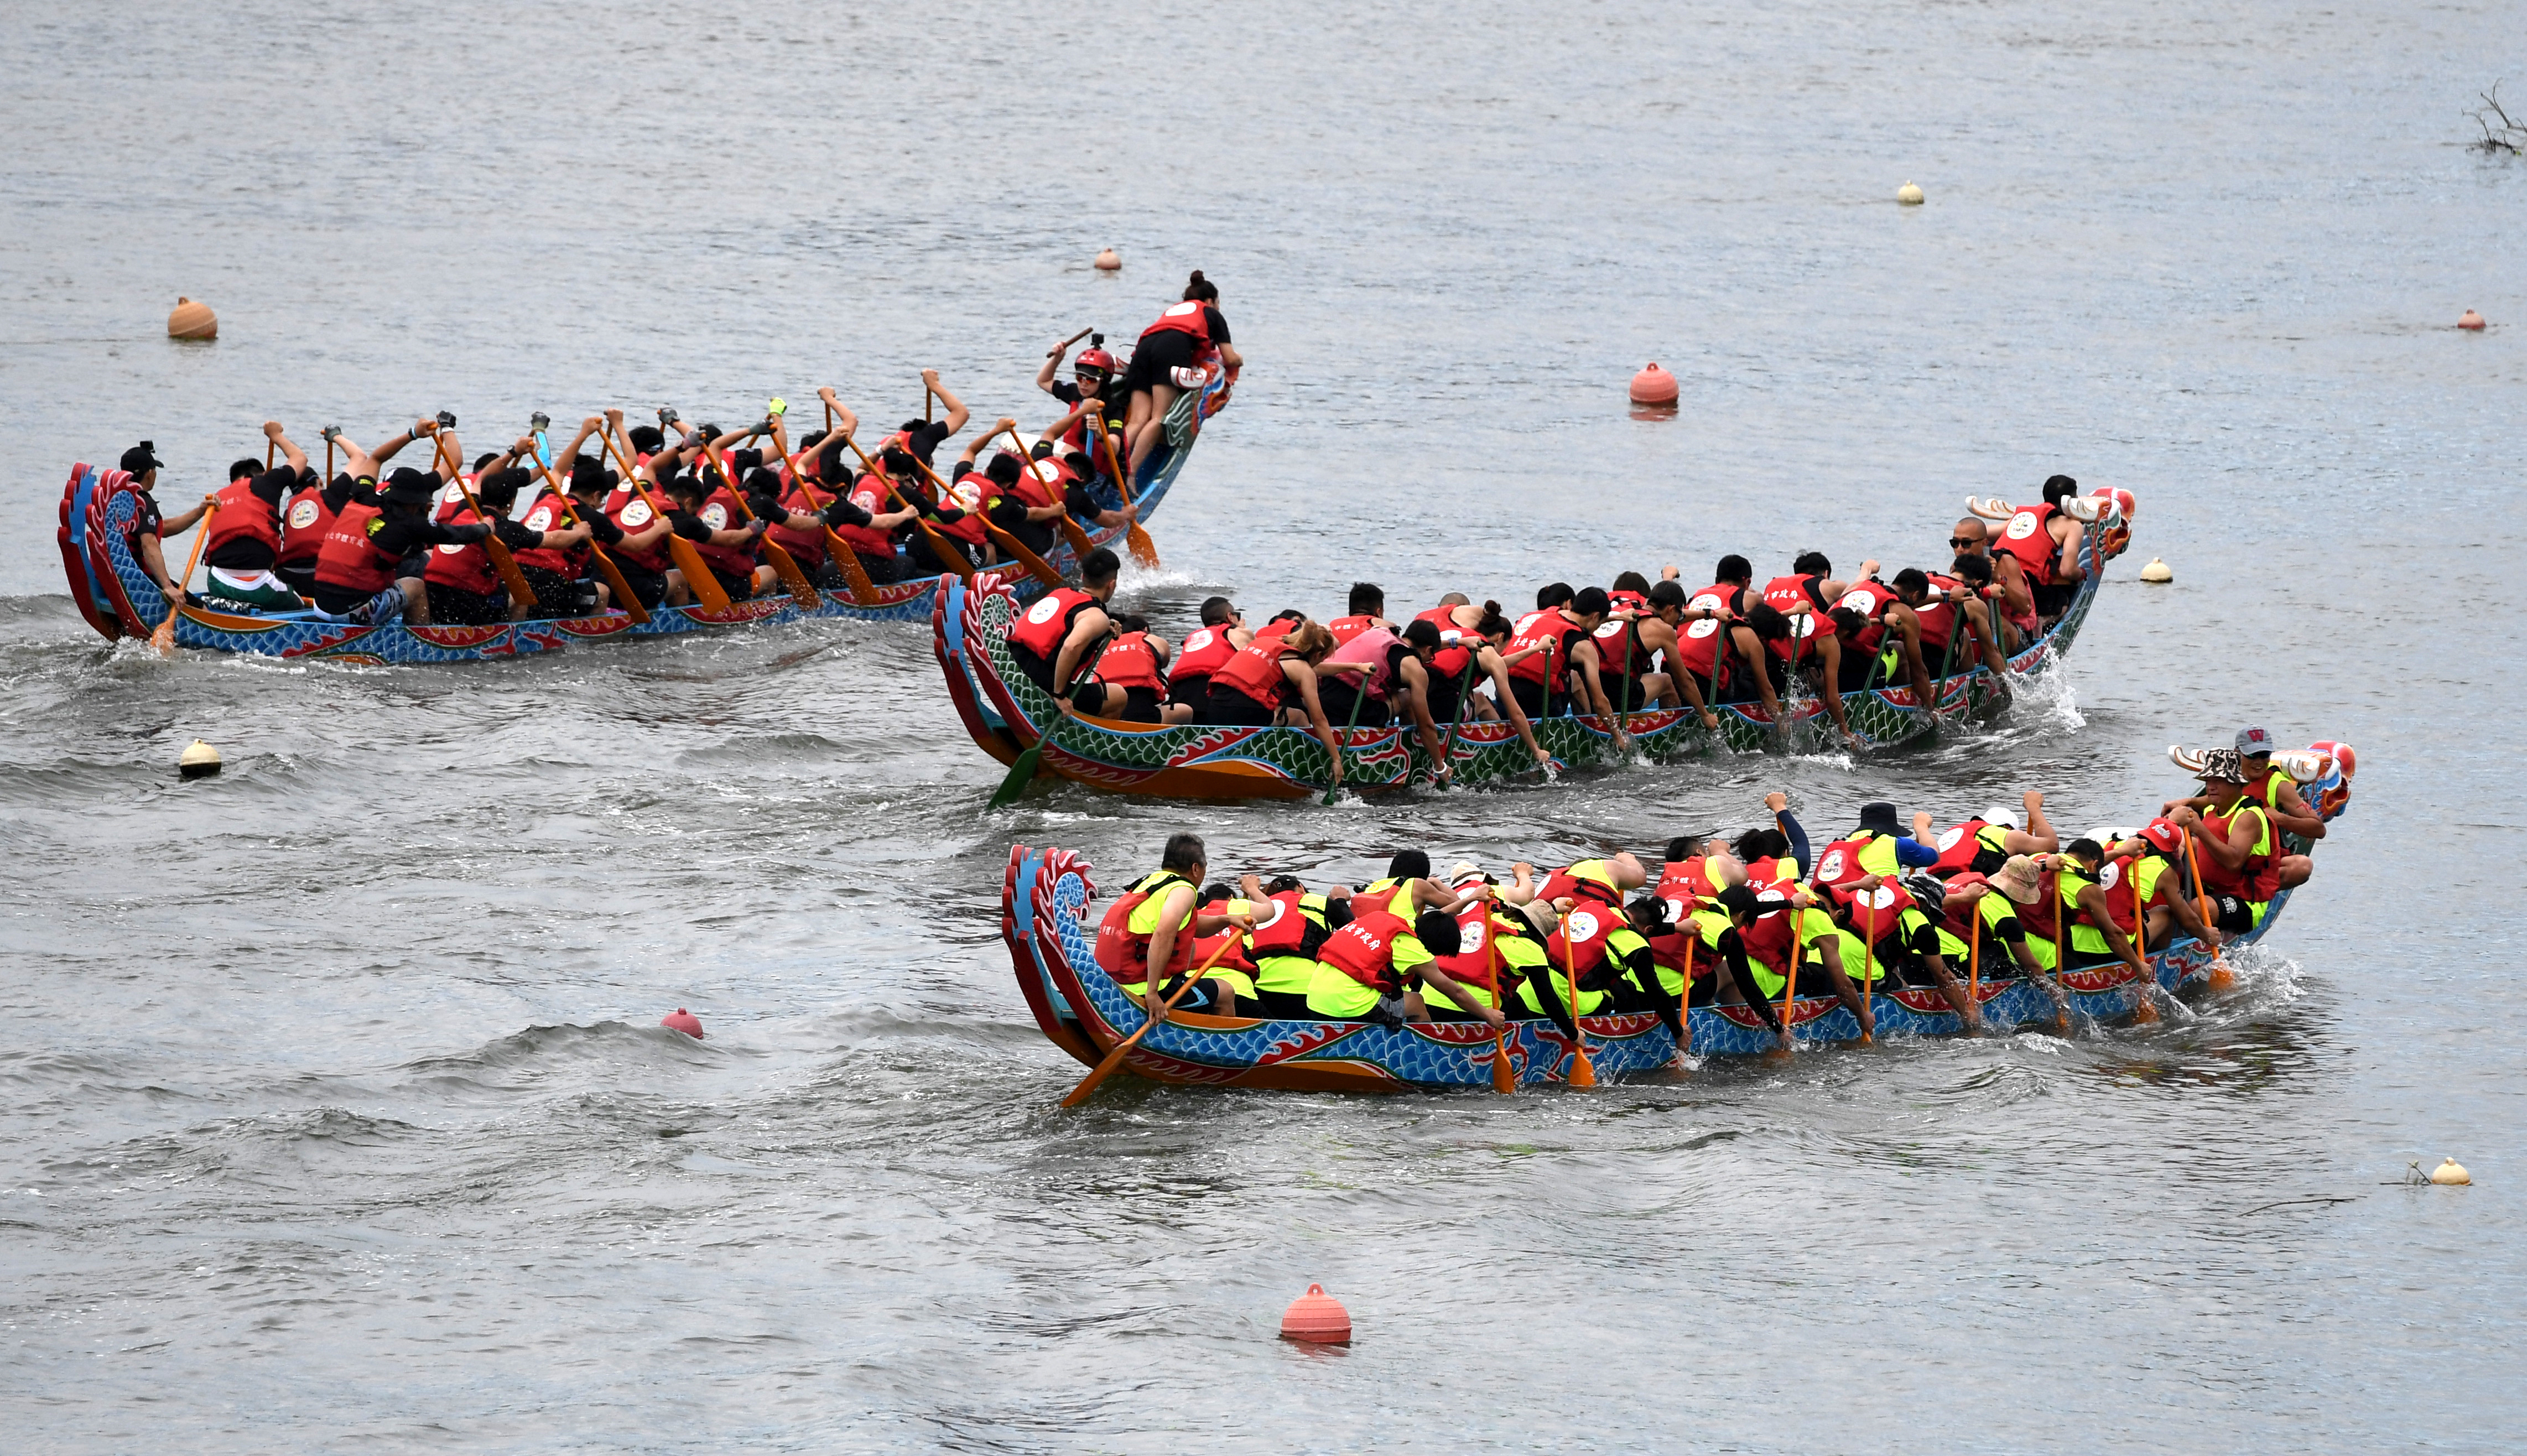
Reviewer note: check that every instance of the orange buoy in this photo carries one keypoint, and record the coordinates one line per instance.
(681, 1020)
(1109, 261)
(192, 320)
(1317, 1318)
(1654, 385)
(2472, 320)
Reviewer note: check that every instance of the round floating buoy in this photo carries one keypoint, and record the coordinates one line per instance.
(1909, 194)
(1654, 385)
(192, 320)
(1317, 1318)
(2471, 320)
(2448, 1175)
(681, 1020)
(1109, 261)
(200, 760)
(2156, 573)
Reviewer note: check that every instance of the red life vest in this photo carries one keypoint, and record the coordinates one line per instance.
(1129, 661)
(1938, 617)
(633, 517)
(467, 568)
(1581, 935)
(304, 521)
(1032, 492)
(1698, 641)
(546, 515)
(1472, 964)
(1962, 849)
(967, 499)
(1686, 884)
(1536, 629)
(1275, 629)
(1788, 596)
(1365, 950)
(720, 513)
(1563, 884)
(1202, 652)
(1234, 957)
(868, 492)
(350, 562)
(1618, 641)
(242, 516)
(1448, 664)
(448, 501)
(1871, 600)
(2040, 921)
(1289, 928)
(1874, 909)
(1185, 318)
(2029, 537)
(1627, 598)
(1345, 629)
(1124, 955)
(2122, 901)
(2257, 880)
(1045, 625)
(808, 546)
(1256, 671)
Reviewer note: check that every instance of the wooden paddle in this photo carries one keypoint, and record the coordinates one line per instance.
(948, 556)
(1868, 965)
(501, 561)
(2222, 978)
(845, 559)
(1504, 1080)
(1080, 544)
(801, 589)
(164, 638)
(1144, 550)
(1582, 1074)
(605, 567)
(699, 579)
(1115, 1059)
(1037, 568)
(1685, 1011)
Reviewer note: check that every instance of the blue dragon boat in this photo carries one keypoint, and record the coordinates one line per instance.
(1051, 928)
(119, 599)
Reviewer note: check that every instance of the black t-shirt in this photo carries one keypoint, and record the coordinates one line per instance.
(146, 518)
(924, 442)
(1219, 325)
(1113, 408)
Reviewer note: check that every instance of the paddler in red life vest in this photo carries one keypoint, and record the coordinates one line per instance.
(1390, 677)
(2098, 909)
(1057, 639)
(2001, 583)
(1805, 598)
(1153, 926)
(1271, 682)
(1985, 909)
(244, 541)
(1880, 636)
(1661, 630)
(1472, 641)
(1291, 925)
(1135, 664)
(701, 511)
(1202, 652)
(1496, 944)
(1980, 843)
(304, 521)
(1861, 875)
(1937, 605)
(1568, 630)
(465, 588)
(1368, 970)
(2234, 844)
(2045, 541)
(2162, 884)
(1169, 359)
(1623, 657)
(1725, 629)
(1366, 610)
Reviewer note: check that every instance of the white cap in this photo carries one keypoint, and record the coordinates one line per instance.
(1999, 816)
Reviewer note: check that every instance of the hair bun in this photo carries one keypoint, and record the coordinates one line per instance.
(1197, 276)
(1491, 609)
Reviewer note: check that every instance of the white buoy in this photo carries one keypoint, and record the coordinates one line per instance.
(1909, 194)
(2156, 573)
(199, 762)
(2449, 1174)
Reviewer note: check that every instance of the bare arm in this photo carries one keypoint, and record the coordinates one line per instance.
(2038, 837)
(1172, 913)
(956, 413)
(1496, 667)
(296, 457)
(1092, 625)
(1306, 682)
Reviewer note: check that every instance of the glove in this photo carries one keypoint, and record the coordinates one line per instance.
(766, 508)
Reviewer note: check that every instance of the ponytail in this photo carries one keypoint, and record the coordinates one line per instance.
(1200, 289)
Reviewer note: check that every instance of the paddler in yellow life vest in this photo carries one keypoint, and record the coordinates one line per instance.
(2277, 792)
(1406, 890)
(1368, 970)
(1154, 924)
(1497, 945)
(2235, 845)
(2162, 886)
(1736, 915)
(1585, 905)
(1291, 924)
(2093, 927)
(1985, 907)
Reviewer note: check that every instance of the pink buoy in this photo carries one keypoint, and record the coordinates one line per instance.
(1317, 1319)
(2472, 320)
(681, 1020)
(1654, 385)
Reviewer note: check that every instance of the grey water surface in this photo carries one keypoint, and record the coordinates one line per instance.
(334, 1111)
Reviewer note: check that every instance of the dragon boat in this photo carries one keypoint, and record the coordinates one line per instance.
(119, 599)
(1006, 713)
(1046, 921)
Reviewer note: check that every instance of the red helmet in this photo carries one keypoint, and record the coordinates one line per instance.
(1099, 361)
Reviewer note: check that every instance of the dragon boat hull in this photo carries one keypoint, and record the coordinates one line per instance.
(119, 599)
(1006, 713)
(1046, 920)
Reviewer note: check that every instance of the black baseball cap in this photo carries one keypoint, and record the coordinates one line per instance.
(141, 459)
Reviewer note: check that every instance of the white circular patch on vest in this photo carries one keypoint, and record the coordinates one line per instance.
(1609, 631)
(636, 515)
(1948, 840)
(1679, 910)
(2021, 526)
(2109, 876)
(1863, 603)
(1271, 919)
(1807, 626)
(1198, 639)
(1582, 925)
(1469, 938)
(1702, 629)
(540, 519)
(1831, 870)
(450, 548)
(303, 514)
(1881, 898)
(716, 516)
(1044, 610)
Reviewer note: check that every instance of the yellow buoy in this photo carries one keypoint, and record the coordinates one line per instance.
(2156, 573)
(2449, 1174)
(1909, 194)
(192, 320)
(199, 762)
(1109, 260)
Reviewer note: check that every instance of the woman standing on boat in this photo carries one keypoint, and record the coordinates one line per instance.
(1170, 360)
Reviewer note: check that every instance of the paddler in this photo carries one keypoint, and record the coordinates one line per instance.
(1496, 943)
(1658, 631)
(1985, 907)
(1154, 924)
(1202, 652)
(2154, 862)
(2233, 843)
(1134, 665)
(1054, 640)
(146, 534)
(1475, 637)
(1369, 969)
(1365, 610)
(369, 569)
(465, 589)
(2002, 580)
(1387, 672)
(1805, 599)
(2045, 541)
(703, 511)
(2278, 793)
(1291, 925)
(1273, 680)
(244, 541)
(2100, 921)
(1980, 843)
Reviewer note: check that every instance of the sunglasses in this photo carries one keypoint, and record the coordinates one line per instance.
(1962, 541)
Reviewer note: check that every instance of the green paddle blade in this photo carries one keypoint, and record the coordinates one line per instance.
(1021, 773)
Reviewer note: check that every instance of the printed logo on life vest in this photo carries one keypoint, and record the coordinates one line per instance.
(1471, 939)
(1881, 898)
(637, 514)
(1863, 603)
(1273, 919)
(2111, 875)
(1044, 610)
(1831, 869)
(2022, 526)
(1948, 840)
(1582, 925)
(452, 549)
(1702, 629)
(1610, 631)
(303, 514)
(540, 519)
(1196, 639)
(716, 516)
